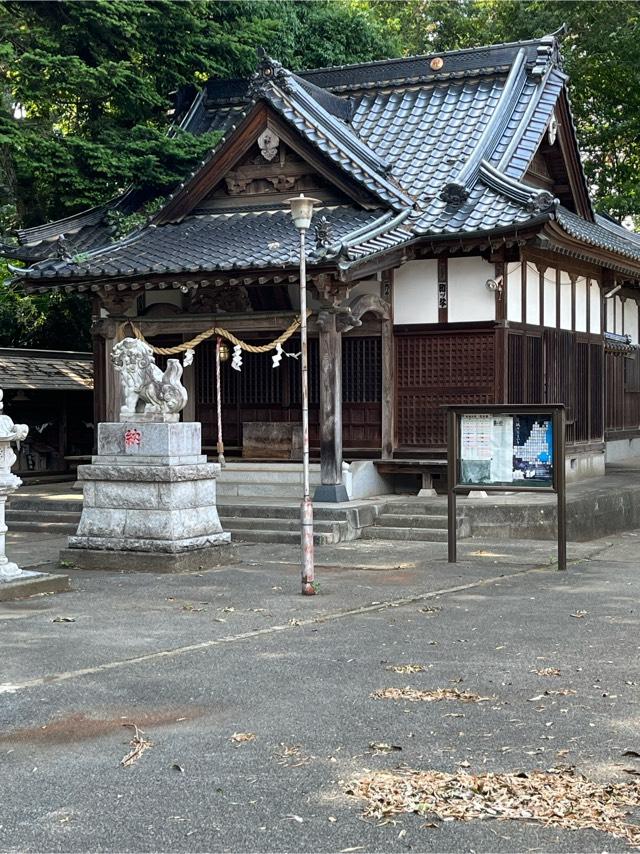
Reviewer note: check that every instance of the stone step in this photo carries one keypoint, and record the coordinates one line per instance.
(324, 513)
(273, 524)
(416, 509)
(42, 527)
(44, 505)
(425, 535)
(389, 520)
(38, 516)
(246, 535)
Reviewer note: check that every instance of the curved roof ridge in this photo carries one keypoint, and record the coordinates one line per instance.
(456, 190)
(532, 198)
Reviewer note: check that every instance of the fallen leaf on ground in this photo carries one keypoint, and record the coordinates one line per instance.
(405, 668)
(430, 609)
(414, 696)
(380, 747)
(138, 745)
(557, 798)
(292, 756)
(546, 671)
(632, 753)
(579, 614)
(242, 737)
(63, 620)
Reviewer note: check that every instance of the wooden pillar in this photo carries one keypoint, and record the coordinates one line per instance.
(388, 400)
(331, 487)
(106, 386)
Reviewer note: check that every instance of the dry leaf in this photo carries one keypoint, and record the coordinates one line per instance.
(138, 745)
(579, 614)
(243, 737)
(414, 696)
(380, 747)
(546, 671)
(63, 620)
(557, 798)
(405, 668)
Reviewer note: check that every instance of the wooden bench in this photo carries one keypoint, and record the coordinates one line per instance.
(425, 468)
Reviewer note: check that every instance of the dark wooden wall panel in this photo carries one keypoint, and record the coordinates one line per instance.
(437, 368)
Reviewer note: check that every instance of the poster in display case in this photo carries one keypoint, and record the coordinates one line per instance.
(506, 449)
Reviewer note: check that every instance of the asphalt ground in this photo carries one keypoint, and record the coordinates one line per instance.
(194, 659)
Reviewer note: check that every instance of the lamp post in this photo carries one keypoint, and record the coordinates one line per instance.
(302, 211)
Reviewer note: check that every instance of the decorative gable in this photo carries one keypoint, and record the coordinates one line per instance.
(268, 174)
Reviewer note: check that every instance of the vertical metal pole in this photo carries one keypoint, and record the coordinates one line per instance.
(561, 489)
(306, 509)
(452, 464)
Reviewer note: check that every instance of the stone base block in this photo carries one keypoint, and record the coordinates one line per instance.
(120, 561)
(32, 583)
(127, 545)
(334, 493)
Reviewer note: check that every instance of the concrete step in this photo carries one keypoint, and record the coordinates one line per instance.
(40, 505)
(389, 520)
(42, 527)
(416, 509)
(41, 516)
(265, 480)
(247, 522)
(246, 535)
(279, 511)
(425, 535)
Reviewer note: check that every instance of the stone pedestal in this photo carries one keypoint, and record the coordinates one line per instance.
(149, 501)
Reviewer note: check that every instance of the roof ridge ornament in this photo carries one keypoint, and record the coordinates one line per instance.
(269, 71)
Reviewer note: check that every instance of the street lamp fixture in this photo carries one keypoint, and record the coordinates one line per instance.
(301, 212)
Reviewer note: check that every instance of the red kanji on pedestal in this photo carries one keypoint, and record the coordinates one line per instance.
(132, 437)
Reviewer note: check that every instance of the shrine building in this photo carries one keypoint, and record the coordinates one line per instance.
(454, 257)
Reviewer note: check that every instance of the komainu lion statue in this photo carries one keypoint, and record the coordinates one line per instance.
(144, 387)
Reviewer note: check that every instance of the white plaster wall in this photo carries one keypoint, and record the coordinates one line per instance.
(469, 297)
(533, 294)
(631, 319)
(594, 315)
(565, 300)
(581, 304)
(618, 303)
(549, 297)
(514, 292)
(415, 292)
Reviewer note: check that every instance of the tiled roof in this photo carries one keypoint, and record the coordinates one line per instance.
(39, 369)
(603, 234)
(211, 242)
(443, 146)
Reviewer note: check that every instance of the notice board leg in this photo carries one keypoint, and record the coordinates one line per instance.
(452, 527)
(561, 487)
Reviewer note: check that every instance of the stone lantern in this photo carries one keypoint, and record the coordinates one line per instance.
(9, 432)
